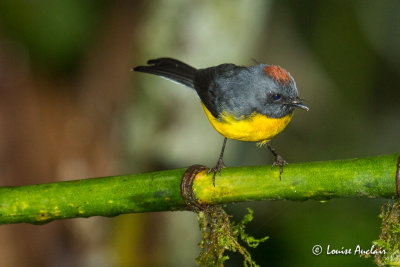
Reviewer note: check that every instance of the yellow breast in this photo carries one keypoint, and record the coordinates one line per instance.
(256, 127)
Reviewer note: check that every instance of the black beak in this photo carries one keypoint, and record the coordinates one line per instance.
(299, 104)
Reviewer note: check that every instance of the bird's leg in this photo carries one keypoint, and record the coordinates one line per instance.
(279, 161)
(220, 162)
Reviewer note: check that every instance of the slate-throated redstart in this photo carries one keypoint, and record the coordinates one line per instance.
(243, 103)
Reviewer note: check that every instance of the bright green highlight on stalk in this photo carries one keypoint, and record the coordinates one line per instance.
(366, 177)
(160, 191)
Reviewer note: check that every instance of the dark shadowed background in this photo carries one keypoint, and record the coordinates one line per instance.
(71, 108)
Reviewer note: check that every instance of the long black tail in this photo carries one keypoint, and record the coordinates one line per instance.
(170, 69)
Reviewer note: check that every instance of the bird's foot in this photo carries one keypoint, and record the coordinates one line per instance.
(279, 161)
(217, 169)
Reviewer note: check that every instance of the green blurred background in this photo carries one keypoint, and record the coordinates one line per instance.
(70, 108)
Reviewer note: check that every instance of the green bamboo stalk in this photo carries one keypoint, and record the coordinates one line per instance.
(160, 191)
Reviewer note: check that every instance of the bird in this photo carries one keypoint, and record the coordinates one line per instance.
(246, 103)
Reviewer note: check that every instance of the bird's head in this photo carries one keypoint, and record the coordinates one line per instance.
(280, 97)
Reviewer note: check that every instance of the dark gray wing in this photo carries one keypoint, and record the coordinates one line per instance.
(212, 86)
(225, 88)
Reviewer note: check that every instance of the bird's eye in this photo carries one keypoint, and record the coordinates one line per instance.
(276, 96)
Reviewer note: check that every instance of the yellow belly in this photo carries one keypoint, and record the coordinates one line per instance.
(256, 127)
